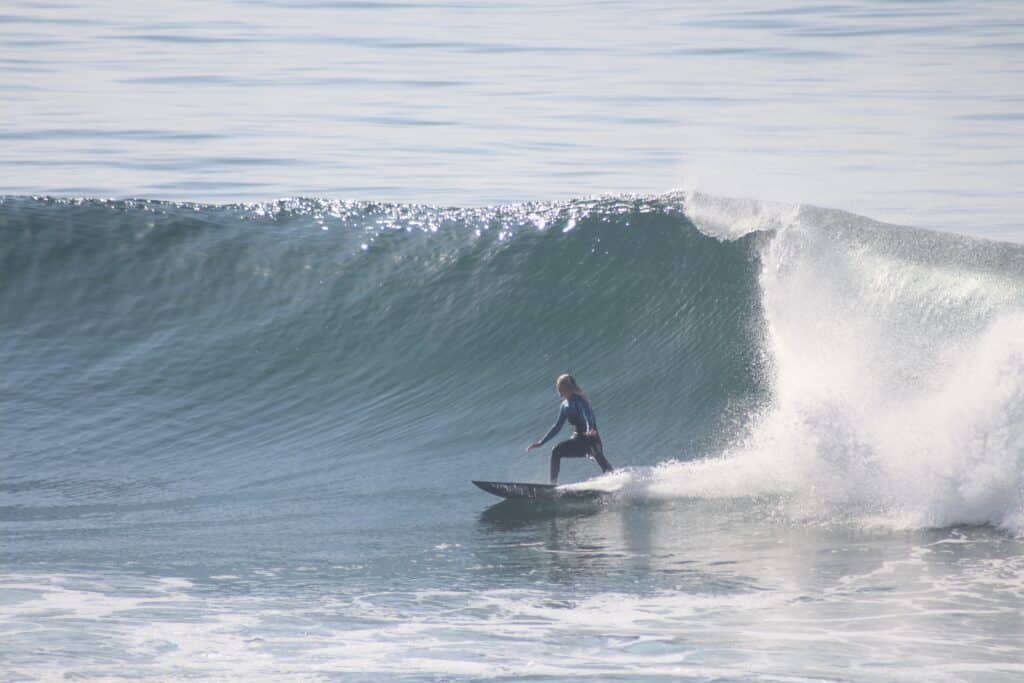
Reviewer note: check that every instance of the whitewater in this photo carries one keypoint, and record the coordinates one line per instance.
(897, 364)
(238, 442)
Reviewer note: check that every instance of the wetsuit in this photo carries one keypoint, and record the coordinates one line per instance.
(579, 414)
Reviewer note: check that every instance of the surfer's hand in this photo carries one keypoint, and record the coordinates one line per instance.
(592, 432)
(532, 446)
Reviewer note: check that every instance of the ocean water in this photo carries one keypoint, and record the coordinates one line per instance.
(905, 111)
(237, 432)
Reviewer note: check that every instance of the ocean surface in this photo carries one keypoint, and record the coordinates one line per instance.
(911, 112)
(278, 280)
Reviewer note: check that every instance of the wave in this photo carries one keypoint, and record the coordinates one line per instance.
(851, 369)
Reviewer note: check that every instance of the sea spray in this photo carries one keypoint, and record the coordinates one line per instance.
(897, 375)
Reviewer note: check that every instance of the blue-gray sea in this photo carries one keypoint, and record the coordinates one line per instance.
(277, 280)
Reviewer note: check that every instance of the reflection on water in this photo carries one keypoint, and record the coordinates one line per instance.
(617, 544)
(516, 514)
(726, 545)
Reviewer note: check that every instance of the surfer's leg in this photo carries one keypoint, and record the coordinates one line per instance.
(597, 450)
(573, 448)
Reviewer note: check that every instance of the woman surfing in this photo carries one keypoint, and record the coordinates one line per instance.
(585, 441)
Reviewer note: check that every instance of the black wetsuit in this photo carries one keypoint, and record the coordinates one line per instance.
(578, 412)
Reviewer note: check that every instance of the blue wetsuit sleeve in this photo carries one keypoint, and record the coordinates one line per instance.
(558, 425)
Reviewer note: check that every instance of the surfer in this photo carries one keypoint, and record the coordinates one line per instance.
(585, 441)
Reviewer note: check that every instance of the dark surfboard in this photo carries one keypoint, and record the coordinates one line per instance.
(523, 491)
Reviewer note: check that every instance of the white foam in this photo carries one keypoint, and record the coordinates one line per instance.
(897, 375)
(939, 626)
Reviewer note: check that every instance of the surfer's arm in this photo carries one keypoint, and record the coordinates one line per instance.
(557, 428)
(554, 430)
(587, 413)
(588, 419)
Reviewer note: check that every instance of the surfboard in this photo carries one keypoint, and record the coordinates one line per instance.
(521, 490)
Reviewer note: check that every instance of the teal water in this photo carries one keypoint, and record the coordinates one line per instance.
(238, 441)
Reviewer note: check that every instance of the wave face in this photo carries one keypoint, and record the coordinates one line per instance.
(843, 368)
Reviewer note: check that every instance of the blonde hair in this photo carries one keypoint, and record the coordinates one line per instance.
(569, 382)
